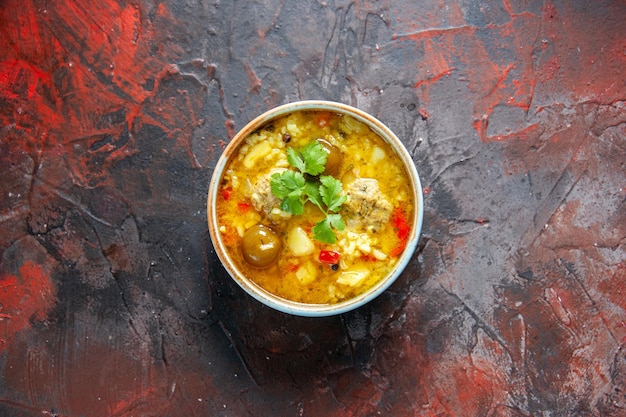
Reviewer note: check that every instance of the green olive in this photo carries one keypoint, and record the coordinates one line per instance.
(260, 246)
(333, 163)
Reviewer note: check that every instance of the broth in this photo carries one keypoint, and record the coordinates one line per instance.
(377, 213)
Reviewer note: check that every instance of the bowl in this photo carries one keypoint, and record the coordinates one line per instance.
(224, 248)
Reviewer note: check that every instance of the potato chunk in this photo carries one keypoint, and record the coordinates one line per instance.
(353, 277)
(307, 273)
(299, 243)
(260, 150)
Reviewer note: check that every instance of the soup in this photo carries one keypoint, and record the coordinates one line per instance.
(315, 207)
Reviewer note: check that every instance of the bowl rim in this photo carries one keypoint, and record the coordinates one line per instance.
(293, 307)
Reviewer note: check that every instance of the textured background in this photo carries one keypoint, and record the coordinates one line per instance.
(113, 303)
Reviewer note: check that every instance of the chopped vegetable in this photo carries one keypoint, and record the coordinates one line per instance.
(367, 257)
(323, 118)
(353, 277)
(378, 154)
(226, 193)
(329, 257)
(259, 151)
(299, 243)
(292, 267)
(402, 228)
(307, 273)
(243, 206)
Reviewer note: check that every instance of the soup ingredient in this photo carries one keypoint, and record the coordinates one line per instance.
(378, 155)
(259, 151)
(402, 229)
(353, 277)
(329, 257)
(243, 206)
(334, 160)
(323, 118)
(295, 190)
(332, 196)
(307, 273)
(310, 160)
(264, 200)
(299, 243)
(367, 204)
(260, 246)
(323, 230)
(226, 193)
(290, 187)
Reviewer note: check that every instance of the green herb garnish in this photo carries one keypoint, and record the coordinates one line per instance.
(310, 160)
(326, 192)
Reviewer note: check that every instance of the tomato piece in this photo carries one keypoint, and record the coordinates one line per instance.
(400, 224)
(226, 193)
(292, 267)
(323, 118)
(368, 257)
(243, 206)
(397, 251)
(329, 257)
(402, 228)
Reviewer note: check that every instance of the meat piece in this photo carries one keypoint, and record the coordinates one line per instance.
(264, 200)
(366, 205)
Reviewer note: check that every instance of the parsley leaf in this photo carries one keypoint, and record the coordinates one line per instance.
(323, 232)
(310, 160)
(336, 221)
(331, 192)
(315, 158)
(287, 183)
(293, 205)
(295, 160)
(325, 192)
(312, 192)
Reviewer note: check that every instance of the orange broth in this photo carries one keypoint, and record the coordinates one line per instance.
(364, 252)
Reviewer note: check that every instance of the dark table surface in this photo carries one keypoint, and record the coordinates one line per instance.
(114, 113)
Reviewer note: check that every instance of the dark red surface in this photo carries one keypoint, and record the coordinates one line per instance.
(112, 302)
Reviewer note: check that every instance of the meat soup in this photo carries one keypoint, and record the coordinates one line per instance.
(315, 207)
